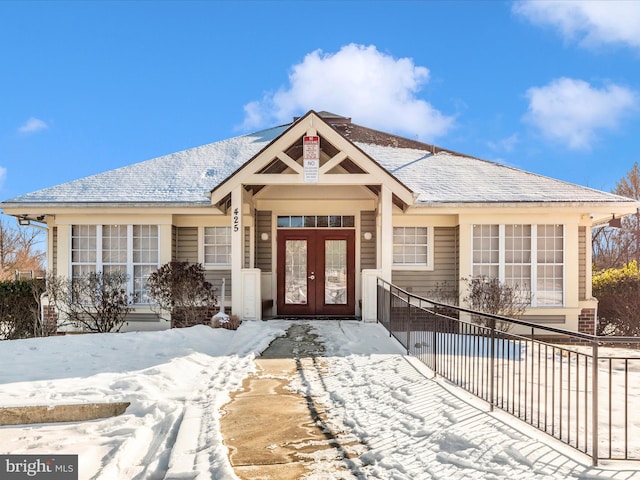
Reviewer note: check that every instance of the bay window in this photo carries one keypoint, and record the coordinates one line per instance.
(529, 257)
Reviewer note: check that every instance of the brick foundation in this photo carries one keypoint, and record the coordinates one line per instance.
(587, 321)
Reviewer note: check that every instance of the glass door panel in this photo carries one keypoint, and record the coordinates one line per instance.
(335, 272)
(296, 272)
(316, 272)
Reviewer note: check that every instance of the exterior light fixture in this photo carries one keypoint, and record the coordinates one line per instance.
(367, 236)
(264, 236)
(23, 221)
(615, 222)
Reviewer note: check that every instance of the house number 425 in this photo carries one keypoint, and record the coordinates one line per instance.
(236, 220)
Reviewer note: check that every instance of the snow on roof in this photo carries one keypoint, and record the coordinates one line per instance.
(448, 178)
(184, 177)
(188, 176)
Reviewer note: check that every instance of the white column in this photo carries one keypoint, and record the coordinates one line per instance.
(465, 252)
(237, 250)
(386, 233)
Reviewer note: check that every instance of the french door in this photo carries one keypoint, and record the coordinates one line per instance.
(316, 272)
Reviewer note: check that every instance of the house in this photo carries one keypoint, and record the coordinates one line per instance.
(301, 220)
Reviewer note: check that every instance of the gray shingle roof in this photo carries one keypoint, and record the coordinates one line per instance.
(449, 178)
(436, 176)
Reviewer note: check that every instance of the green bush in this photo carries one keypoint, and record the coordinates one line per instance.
(20, 308)
(618, 294)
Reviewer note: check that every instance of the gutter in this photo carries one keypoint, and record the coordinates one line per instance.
(33, 205)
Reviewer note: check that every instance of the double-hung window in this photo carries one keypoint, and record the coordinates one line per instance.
(144, 258)
(529, 257)
(550, 265)
(130, 249)
(217, 246)
(411, 247)
(84, 242)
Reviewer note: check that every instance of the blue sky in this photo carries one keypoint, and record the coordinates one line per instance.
(549, 87)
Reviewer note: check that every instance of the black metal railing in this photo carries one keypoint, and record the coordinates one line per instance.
(575, 387)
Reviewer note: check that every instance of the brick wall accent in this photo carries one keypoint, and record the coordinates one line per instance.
(50, 320)
(204, 314)
(587, 321)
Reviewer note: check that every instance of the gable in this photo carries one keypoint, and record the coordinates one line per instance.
(282, 163)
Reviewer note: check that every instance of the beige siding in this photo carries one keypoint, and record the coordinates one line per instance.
(582, 263)
(368, 247)
(445, 272)
(54, 250)
(263, 248)
(142, 317)
(545, 319)
(186, 244)
(215, 278)
(174, 242)
(247, 247)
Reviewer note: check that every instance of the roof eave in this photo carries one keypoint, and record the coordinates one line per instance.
(50, 205)
(630, 205)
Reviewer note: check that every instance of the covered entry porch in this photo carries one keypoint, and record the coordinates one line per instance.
(305, 239)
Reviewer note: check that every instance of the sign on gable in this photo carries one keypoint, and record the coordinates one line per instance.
(311, 158)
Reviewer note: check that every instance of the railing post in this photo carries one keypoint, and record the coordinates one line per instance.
(492, 349)
(390, 312)
(594, 403)
(435, 343)
(409, 324)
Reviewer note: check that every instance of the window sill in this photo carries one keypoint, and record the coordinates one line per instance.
(416, 268)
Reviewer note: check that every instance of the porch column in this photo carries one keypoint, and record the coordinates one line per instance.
(237, 250)
(386, 233)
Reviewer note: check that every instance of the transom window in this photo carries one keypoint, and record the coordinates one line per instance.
(411, 246)
(530, 257)
(316, 221)
(217, 246)
(132, 249)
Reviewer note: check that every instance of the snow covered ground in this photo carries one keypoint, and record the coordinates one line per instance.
(413, 426)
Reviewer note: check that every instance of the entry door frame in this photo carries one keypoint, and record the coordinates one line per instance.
(316, 238)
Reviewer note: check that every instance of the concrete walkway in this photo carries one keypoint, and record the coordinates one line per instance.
(271, 432)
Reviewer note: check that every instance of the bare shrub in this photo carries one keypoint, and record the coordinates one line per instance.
(230, 323)
(489, 295)
(95, 302)
(444, 292)
(180, 289)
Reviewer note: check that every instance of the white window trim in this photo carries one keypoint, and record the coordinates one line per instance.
(418, 267)
(209, 266)
(100, 266)
(534, 261)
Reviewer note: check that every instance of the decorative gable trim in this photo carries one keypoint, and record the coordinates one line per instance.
(341, 163)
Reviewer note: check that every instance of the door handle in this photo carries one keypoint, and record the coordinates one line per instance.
(312, 276)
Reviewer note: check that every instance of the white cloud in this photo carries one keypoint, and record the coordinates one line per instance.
(507, 144)
(591, 22)
(572, 111)
(33, 125)
(373, 88)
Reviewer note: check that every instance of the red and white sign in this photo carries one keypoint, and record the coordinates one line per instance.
(311, 158)
(311, 147)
